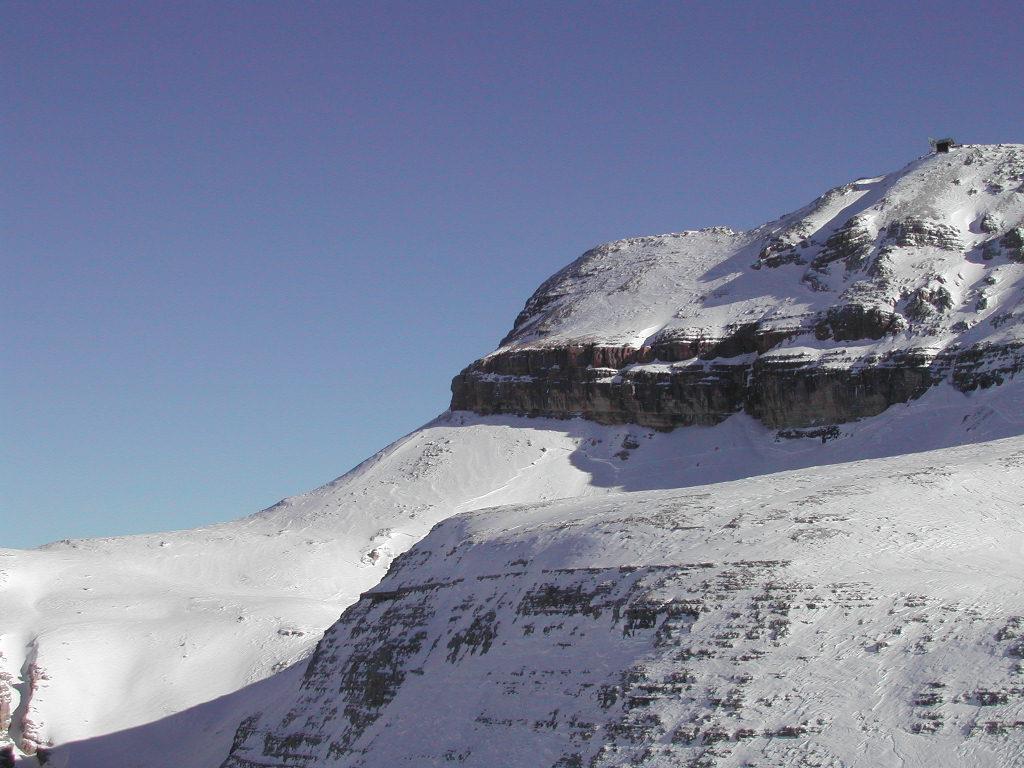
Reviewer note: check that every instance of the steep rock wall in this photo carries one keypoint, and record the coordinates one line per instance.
(782, 390)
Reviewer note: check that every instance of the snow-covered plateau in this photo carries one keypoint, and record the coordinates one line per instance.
(719, 499)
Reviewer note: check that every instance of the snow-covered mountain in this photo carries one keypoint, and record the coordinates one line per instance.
(894, 301)
(874, 292)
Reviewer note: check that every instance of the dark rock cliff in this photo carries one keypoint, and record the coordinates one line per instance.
(783, 391)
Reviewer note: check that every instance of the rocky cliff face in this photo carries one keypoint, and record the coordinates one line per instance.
(7, 698)
(844, 616)
(867, 297)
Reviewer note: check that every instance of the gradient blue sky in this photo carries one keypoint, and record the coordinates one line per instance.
(246, 245)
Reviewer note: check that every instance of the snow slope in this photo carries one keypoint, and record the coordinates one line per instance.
(935, 225)
(863, 614)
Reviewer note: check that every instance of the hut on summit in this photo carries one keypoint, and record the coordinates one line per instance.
(943, 145)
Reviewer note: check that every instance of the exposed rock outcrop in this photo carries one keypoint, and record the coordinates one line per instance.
(920, 233)
(32, 740)
(6, 702)
(783, 391)
(1013, 244)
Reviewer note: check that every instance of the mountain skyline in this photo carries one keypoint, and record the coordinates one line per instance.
(874, 332)
(232, 234)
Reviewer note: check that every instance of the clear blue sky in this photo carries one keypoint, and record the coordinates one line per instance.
(246, 245)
